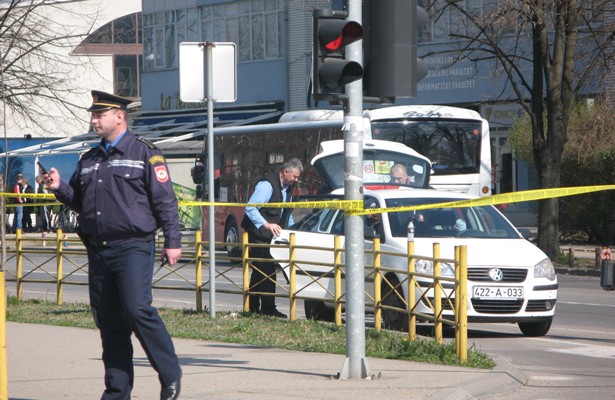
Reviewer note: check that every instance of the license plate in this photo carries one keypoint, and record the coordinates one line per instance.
(497, 292)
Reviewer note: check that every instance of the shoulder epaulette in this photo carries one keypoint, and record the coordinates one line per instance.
(92, 150)
(147, 143)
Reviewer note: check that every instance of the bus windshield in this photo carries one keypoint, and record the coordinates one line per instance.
(453, 146)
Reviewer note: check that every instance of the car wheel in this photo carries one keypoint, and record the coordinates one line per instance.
(393, 320)
(538, 328)
(317, 310)
(231, 235)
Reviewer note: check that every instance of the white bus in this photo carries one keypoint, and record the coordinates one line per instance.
(456, 140)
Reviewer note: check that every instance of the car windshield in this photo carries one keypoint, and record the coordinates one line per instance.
(380, 167)
(477, 222)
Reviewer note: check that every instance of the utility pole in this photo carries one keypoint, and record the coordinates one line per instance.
(355, 365)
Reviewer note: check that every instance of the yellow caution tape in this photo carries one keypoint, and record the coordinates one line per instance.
(30, 195)
(40, 196)
(355, 207)
(504, 198)
(346, 205)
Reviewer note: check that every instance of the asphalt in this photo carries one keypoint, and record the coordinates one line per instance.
(51, 362)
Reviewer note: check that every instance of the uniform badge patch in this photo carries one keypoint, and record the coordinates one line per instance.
(156, 159)
(161, 173)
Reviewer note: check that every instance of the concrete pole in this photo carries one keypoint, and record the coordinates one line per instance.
(355, 365)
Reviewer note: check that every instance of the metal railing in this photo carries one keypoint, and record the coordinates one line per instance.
(387, 284)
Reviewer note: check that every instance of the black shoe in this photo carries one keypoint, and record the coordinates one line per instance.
(273, 313)
(171, 392)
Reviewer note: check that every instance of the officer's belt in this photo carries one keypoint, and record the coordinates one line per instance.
(95, 241)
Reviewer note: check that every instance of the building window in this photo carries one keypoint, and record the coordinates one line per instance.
(126, 75)
(447, 21)
(275, 158)
(120, 39)
(255, 26)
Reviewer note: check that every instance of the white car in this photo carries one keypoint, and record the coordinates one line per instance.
(509, 278)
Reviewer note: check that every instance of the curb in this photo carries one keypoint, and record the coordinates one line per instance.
(503, 378)
(577, 271)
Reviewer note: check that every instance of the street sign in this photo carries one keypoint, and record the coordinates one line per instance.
(193, 61)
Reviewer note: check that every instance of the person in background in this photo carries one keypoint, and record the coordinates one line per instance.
(607, 239)
(460, 226)
(123, 193)
(262, 224)
(399, 174)
(42, 221)
(18, 209)
(27, 209)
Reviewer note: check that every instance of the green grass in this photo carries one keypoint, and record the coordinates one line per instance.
(246, 328)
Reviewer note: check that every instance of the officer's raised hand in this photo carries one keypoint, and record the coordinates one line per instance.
(51, 179)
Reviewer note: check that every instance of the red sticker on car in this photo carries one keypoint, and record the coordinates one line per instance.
(161, 173)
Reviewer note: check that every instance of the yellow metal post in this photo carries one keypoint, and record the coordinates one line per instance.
(292, 289)
(198, 246)
(4, 390)
(246, 271)
(463, 304)
(19, 271)
(457, 299)
(59, 266)
(437, 294)
(411, 292)
(337, 271)
(4, 381)
(377, 286)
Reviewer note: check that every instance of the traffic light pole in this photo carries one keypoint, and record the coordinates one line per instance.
(355, 364)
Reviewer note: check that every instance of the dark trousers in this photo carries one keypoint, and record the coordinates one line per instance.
(27, 218)
(120, 279)
(262, 281)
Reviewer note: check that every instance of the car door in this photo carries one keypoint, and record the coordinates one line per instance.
(315, 231)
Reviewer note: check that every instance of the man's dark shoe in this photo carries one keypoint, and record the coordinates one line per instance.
(171, 392)
(273, 313)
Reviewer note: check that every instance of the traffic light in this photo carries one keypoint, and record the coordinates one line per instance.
(392, 68)
(198, 172)
(331, 71)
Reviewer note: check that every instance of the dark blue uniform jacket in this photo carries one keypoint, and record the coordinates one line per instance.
(124, 195)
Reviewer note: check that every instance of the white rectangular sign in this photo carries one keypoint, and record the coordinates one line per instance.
(193, 71)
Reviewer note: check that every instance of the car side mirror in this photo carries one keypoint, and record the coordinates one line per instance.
(527, 234)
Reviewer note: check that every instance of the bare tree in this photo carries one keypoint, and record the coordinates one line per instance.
(550, 52)
(39, 75)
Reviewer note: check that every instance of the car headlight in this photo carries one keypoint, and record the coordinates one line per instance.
(426, 267)
(544, 269)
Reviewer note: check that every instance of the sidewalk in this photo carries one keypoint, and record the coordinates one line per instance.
(50, 362)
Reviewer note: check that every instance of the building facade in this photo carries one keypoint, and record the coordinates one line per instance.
(136, 55)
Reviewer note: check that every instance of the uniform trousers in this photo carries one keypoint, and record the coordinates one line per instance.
(120, 283)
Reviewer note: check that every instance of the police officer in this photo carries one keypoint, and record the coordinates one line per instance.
(123, 193)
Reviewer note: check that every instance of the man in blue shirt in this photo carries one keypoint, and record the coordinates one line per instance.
(262, 224)
(123, 193)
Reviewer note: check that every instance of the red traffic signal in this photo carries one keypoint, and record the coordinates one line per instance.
(331, 71)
